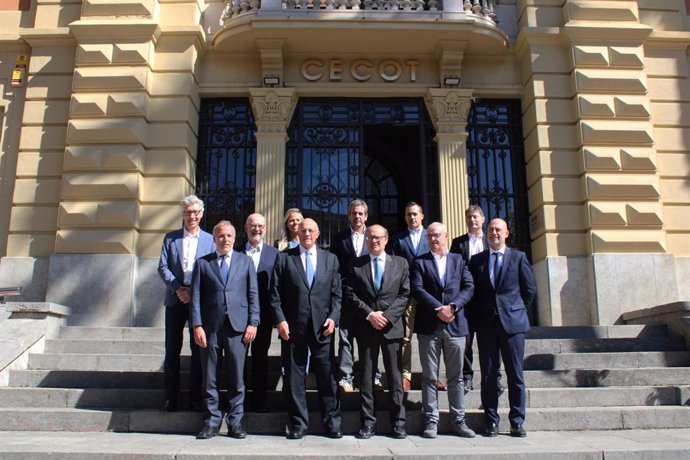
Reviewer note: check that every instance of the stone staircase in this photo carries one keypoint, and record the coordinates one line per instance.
(578, 378)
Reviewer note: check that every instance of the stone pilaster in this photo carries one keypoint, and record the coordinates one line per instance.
(449, 109)
(273, 110)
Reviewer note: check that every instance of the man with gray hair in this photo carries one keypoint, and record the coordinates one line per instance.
(181, 249)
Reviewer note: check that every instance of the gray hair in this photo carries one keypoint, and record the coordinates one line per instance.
(358, 202)
(190, 201)
(222, 223)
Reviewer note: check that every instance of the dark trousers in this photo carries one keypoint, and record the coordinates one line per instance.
(369, 346)
(295, 356)
(467, 371)
(259, 350)
(175, 320)
(495, 343)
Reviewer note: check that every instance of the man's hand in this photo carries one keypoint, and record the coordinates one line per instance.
(377, 320)
(284, 330)
(200, 336)
(445, 313)
(182, 294)
(249, 334)
(329, 327)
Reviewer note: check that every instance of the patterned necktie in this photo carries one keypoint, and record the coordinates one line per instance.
(309, 268)
(224, 269)
(378, 275)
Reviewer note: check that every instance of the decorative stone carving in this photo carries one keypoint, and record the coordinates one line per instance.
(449, 109)
(273, 108)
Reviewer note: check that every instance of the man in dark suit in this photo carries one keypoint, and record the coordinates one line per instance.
(306, 297)
(442, 285)
(409, 244)
(181, 248)
(504, 289)
(263, 257)
(469, 245)
(347, 245)
(377, 291)
(224, 313)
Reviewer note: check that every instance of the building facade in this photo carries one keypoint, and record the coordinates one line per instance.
(569, 118)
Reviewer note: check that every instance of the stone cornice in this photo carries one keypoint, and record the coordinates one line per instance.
(131, 29)
(57, 37)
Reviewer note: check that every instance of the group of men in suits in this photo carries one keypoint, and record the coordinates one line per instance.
(370, 291)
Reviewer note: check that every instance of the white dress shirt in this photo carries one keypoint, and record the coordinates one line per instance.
(190, 243)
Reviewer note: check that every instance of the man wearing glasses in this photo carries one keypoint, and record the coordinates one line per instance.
(181, 249)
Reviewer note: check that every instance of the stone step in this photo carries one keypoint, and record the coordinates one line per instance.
(652, 376)
(153, 398)
(564, 361)
(156, 421)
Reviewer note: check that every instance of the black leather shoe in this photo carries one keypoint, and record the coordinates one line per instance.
(399, 432)
(170, 405)
(500, 388)
(366, 432)
(297, 433)
(207, 432)
(517, 431)
(491, 430)
(335, 433)
(237, 432)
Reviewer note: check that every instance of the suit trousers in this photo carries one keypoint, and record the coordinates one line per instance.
(453, 348)
(295, 356)
(410, 313)
(234, 352)
(495, 343)
(259, 351)
(176, 317)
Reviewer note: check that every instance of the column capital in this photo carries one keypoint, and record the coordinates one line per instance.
(273, 108)
(449, 109)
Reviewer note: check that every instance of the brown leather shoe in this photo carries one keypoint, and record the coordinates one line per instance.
(407, 385)
(440, 386)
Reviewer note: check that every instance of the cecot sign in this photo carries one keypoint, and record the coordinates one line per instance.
(388, 70)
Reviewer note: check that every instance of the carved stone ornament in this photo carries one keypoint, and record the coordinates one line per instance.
(451, 108)
(272, 107)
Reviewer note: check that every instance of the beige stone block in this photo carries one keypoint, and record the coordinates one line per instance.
(665, 62)
(622, 186)
(555, 111)
(88, 105)
(159, 217)
(36, 191)
(610, 81)
(174, 84)
(601, 158)
(112, 105)
(638, 159)
(174, 109)
(670, 113)
(45, 137)
(554, 163)
(107, 131)
(179, 13)
(171, 189)
(673, 164)
(110, 78)
(33, 219)
(675, 190)
(601, 10)
(131, 53)
(51, 59)
(632, 107)
(170, 161)
(172, 135)
(104, 157)
(94, 54)
(644, 214)
(546, 137)
(669, 90)
(672, 139)
(118, 8)
(626, 56)
(45, 112)
(49, 87)
(547, 86)
(107, 186)
(30, 244)
(559, 244)
(175, 54)
(540, 13)
(100, 214)
(549, 58)
(607, 215)
(662, 14)
(560, 190)
(564, 218)
(635, 241)
(51, 16)
(676, 218)
(37, 164)
(616, 132)
(591, 105)
(75, 241)
(149, 244)
(678, 243)
(597, 56)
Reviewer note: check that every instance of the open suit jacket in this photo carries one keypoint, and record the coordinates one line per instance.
(172, 256)
(461, 245)
(264, 275)
(515, 291)
(212, 297)
(292, 299)
(361, 296)
(402, 246)
(430, 293)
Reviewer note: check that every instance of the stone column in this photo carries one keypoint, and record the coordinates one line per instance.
(273, 110)
(449, 109)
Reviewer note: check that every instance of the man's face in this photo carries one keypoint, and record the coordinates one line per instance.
(357, 217)
(437, 236)
(475, 222)
(376, 240)
(255, 227)
(414, 217)
(308, 233)
(497, 234)
(224, 237)
(192, 215)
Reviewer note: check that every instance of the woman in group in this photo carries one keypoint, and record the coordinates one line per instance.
(288, 236)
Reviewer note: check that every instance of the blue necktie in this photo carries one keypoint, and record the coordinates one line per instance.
(309, 268)
(224, 269)
(378, 275)
(497, 268)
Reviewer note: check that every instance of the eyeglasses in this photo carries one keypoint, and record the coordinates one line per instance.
(375, 237)
(435, 235)
(257, 226)
(192, 213)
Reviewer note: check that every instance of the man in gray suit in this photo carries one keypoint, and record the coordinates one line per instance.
(224, 313)
(180, 251)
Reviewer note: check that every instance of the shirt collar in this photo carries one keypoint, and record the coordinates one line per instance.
(382, 257)
(250, 248)
(502, 250)
(352, 232)
(437, 256)
(475, 237)
(415, 232)
(186, 234)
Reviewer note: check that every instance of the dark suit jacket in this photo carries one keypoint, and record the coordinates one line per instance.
(212, 297)
(170, 262)
(430, 294)
(361, 297)
(514, 294)
(461, 245)
(292, 300)
(401, 245)
(344, 250)
(264, 275)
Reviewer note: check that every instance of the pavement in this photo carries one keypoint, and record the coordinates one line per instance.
(662, 444)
